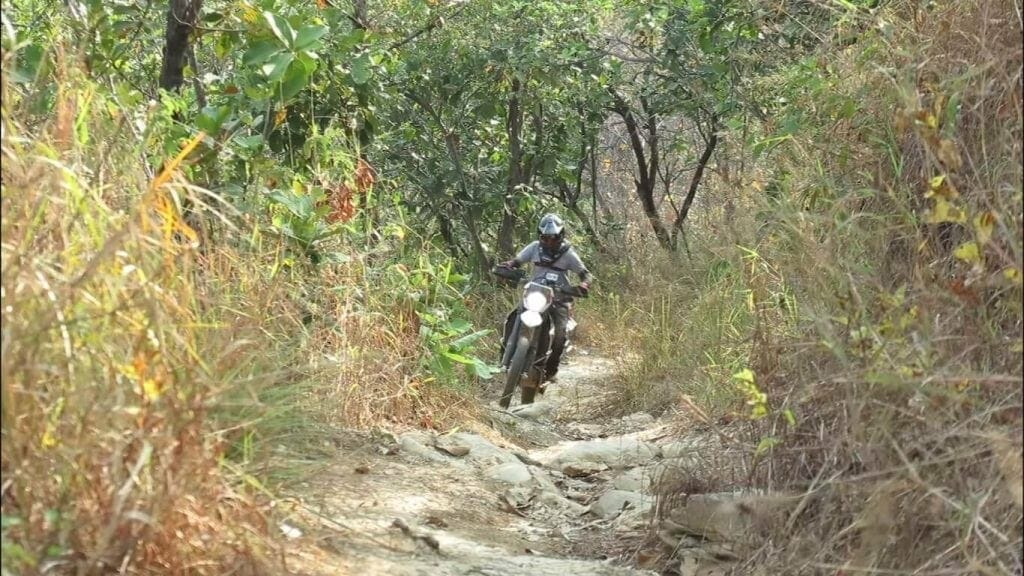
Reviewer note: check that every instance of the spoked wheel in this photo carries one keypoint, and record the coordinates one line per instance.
(531, 386)
(515, 370)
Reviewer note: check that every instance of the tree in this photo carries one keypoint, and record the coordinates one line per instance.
(181, 21)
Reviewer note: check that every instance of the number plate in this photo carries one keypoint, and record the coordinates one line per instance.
(552, 276)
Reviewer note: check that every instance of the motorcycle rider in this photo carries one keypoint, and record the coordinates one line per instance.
(552, 253)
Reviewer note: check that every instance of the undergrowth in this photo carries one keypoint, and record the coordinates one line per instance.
(876, 279)
(174, 356)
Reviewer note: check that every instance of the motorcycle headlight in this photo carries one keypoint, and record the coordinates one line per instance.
(535, 301)
(531, 318)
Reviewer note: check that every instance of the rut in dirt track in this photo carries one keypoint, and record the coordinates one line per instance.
(537, 490)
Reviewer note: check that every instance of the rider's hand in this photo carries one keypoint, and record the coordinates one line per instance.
(584, 287)
(508, 264)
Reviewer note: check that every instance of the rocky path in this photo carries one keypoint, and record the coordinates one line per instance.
(544, 489)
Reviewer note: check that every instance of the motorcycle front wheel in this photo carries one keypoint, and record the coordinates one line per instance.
(515, 370)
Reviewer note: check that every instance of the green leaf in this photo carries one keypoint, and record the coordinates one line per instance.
(469, 339)
(766, 443)
(210, 118)
(359, 71)
(277, 66)
(790, 418)
(251, 142)
(29, 62)
(459, 325)
(328, 232)
(483, 371)
(308, 35)
(459, 358)
(294, 81)
(300, 206)
(260, 52)
(10, 521)
(281, 28)
(349, 41)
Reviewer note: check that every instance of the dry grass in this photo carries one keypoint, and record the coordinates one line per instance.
(156, 390)
(676, 326)
(896, 348)
(108, 372)
(903, 361)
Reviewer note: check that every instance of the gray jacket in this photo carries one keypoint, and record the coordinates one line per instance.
(569, 261)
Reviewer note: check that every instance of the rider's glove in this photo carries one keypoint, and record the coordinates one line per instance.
(508, 264)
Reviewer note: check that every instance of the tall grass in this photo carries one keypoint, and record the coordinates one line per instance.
(884, 299)
(109, 364)
(159, 382)
(678, 327)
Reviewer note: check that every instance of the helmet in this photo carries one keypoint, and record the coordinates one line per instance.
(551, 230)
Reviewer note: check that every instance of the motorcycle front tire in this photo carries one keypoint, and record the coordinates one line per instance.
(515, 370)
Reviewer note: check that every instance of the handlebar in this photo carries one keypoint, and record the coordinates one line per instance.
(517, 275)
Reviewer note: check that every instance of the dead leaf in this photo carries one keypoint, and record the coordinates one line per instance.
(1011, 464)
(984, 224)
(949, 155)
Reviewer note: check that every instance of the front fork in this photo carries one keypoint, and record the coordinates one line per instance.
(530, 380)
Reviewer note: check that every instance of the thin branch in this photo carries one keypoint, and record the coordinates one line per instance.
(695, 180)
(197, 83)
(436, 22)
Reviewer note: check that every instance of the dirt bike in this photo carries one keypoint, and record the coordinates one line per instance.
(524, 330)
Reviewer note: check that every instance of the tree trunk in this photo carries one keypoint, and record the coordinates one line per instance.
(645, 181)
(684, 211)
(514, 130)
(181, 20)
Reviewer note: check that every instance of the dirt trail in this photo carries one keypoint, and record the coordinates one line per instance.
(542, 490)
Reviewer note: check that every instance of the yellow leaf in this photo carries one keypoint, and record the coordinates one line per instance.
(280, 116)
(48, 440)
(968, 252)
(151, 389)
(941, 186)
(983, 225)
(1012, 274)
(924, 117)
(128, 370)
(249, 14)
(943, 211)
(745, 375)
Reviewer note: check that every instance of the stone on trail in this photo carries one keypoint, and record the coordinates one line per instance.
(724, 517)
(416, 444)
(687, 448)
(583, 469)
(614, 502)
(615, 453)
(638, 420)
(536, 411)
(451, 447)
(634, 480)
(514, 473)
(482, 451)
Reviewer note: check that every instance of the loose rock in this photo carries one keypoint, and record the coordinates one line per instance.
(614, 502)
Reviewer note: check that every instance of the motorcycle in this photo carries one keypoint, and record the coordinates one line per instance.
(525, 330)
